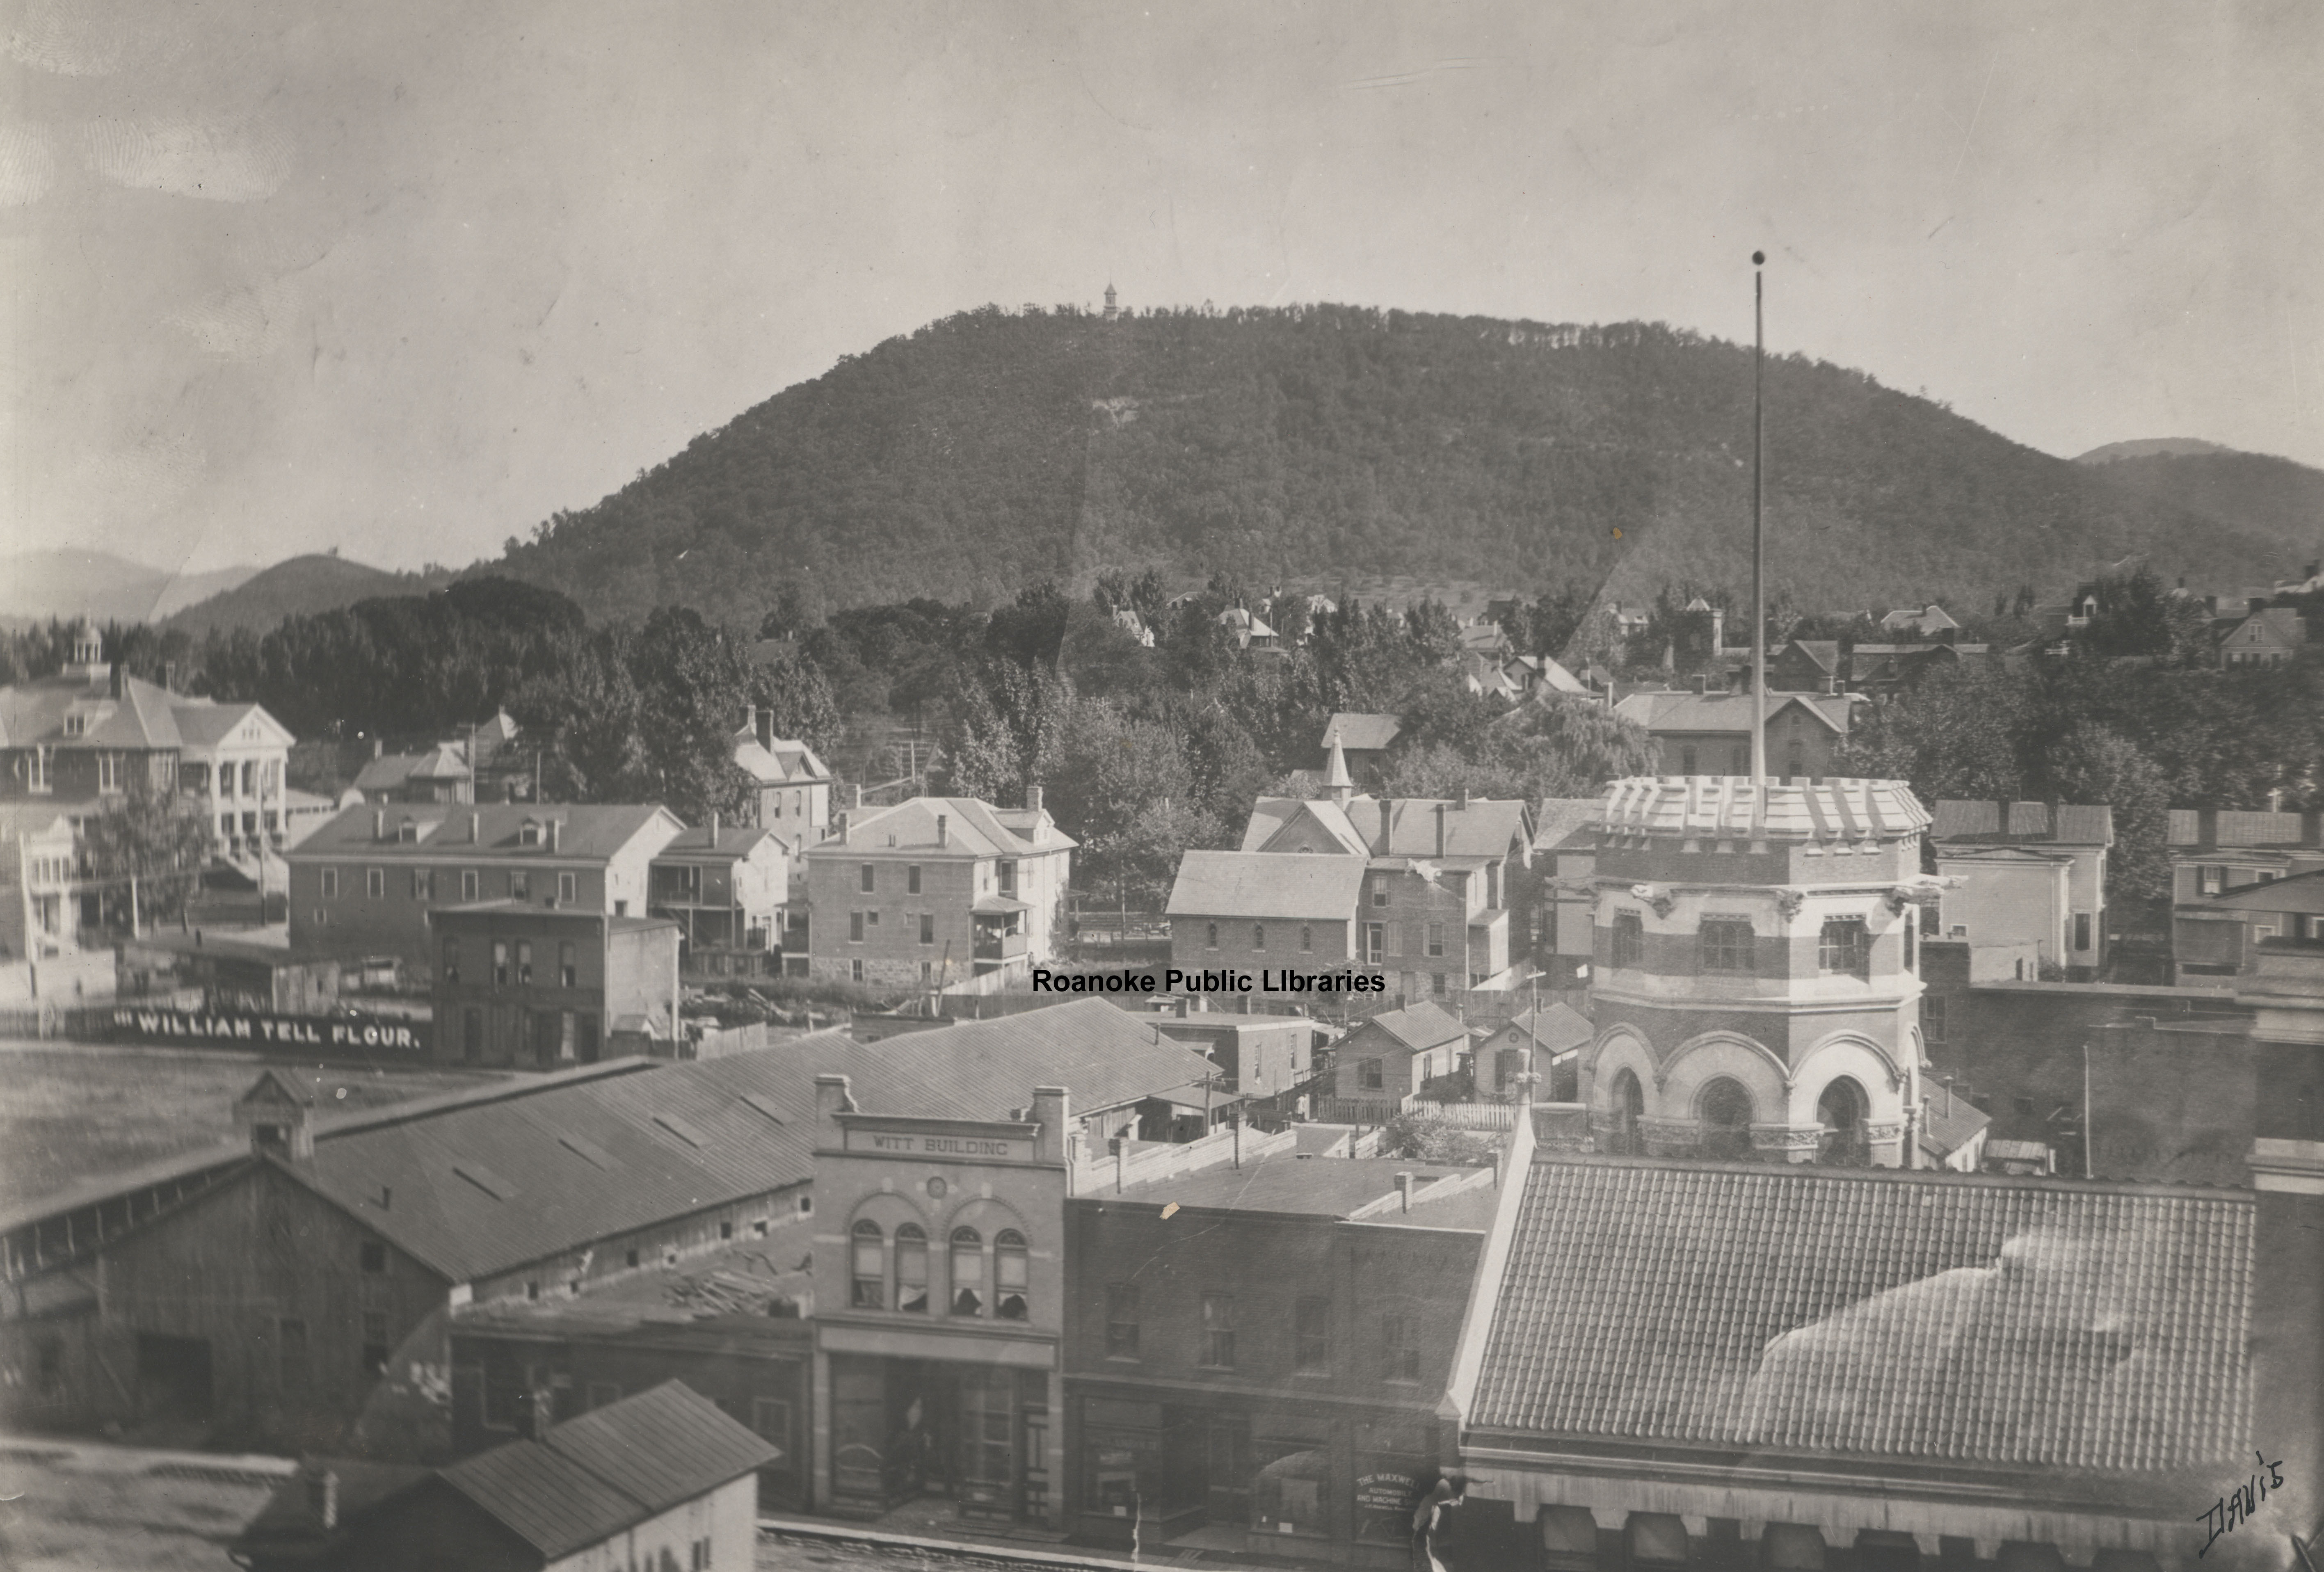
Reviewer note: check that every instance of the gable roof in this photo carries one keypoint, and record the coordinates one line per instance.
(484, 1187)
(2301, 893)
(1555, 1026)
(784, 761)
(2009, 1322)
(1483, 827)
(1931, 620)
(740, 841)
(1822, 653)
(1563, 823)
(1278, 819)
(1418, 1027)
(592, 832)
(2280, 626)
(610, 1469)
(1980, 822)
(1362, 731)
(1267, 885)
(972, 828)
(1727, 712)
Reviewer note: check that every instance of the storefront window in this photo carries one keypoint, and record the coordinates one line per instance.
(912, 1269)
(1288, 1496)
(967, 1272)
(870, 1268)
(1010, 1276)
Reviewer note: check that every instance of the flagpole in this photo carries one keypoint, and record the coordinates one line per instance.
(1758, 530)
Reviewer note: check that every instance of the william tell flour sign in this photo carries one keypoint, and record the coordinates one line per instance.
(278, 1033)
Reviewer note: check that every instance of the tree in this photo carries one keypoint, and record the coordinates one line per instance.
(157, 836)
(584, 720)
(1123, 790)
(788, 684)
(1957, 734)
(2090, 763)
(693, 684)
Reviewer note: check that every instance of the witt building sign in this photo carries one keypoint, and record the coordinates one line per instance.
(891, 1141)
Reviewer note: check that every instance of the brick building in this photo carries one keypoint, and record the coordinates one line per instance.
(935, 890)
(1290, 1412)
(363, 883)
(2214, 852)
(1710, 734)
(530, 986)
(1756, 986)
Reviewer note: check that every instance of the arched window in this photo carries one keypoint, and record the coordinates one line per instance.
(912, 1269)
(1011, 1282)
(1724, 1110)
(1259, 936)
(967, 1272)
(1629, 1107)
(869, 1270)
(1840, 1110)
(1307, 940)
(1211, 936)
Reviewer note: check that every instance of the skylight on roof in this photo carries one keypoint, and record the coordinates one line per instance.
(485, 1180)
(587, 1151)
(759, 1105)
(681, 1129)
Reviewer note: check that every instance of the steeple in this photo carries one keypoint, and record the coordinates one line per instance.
(1109, 307)
(1335, 776)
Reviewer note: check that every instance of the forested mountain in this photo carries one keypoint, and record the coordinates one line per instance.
(2242, 491)
(298, 586)
(995, 447)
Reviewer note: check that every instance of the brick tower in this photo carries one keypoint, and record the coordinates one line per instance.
(1756, 984)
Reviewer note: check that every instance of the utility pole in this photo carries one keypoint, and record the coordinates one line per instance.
(1758, 529)
(2089, 1119)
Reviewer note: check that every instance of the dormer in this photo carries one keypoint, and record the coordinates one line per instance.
(276, 1117)
(408, 832)
(528, 833)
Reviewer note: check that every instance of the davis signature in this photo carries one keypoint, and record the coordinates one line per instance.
(2240, 1504)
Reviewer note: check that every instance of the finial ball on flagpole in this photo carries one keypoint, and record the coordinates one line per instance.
(1758, 259)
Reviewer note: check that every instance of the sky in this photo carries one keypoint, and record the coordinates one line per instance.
(405, 279)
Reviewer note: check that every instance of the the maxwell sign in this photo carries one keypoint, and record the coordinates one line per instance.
(235, 1027)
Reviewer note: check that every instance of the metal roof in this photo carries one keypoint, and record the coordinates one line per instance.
(666, 1445)
(2302, 893)
(2011, 1322)
(1364, 733)
(1315, 1187)
(1267, 884)
(1421, 1026)
(1103, 1056)
(1727, 712)
(1993, 823)
(972, 828)
(591, 832)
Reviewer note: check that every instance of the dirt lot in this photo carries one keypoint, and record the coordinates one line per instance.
(82, 1508)
(70, 1111)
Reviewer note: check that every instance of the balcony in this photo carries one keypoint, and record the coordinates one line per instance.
(1000, 947)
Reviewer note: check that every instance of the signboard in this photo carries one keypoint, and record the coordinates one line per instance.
(954, 1146)
(1385, 1502)
(275, 1034)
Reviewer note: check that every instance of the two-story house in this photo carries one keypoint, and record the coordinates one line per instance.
(533, 986)
(2028, 873)
(1710, 734)
(935, 890)
(1565, 856)
(2214, 852)
(726, 886)
(39, 859)
(86, 736)
(2268, 637)
(790, 786)
(361, 885)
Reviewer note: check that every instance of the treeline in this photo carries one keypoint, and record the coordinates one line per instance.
(993, 449)
(2139, 717)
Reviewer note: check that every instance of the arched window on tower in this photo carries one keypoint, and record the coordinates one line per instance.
(967, 1272)
(868, 1267)
(1841, 1111)
(1629, 1107)
(1011, 1276)
(1724, 1113)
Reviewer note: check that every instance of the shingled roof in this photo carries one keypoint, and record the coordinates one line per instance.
(1277, 884)
(1982, 822)
(2006, 1322)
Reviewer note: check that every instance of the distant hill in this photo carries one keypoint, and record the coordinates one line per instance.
(2234, 490)
(2149, 448)
(298, 586)
(995, 447)
(36, 585)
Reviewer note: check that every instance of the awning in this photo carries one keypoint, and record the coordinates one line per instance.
(998, 906)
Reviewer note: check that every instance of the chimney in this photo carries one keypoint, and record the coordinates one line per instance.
(116, 678)
(1033, 797)
(379, 824)
(1702, 682)
(475, 827)
(1388, 821)
(832, 1097)
(1052, 1106)
(1403, 1192)
(323, 1495)
(943, 831)
(714, 830)
(556, 834)
(1440, 829)
(170, 676)
(855, 794)
(2275, 800)
(378, 746)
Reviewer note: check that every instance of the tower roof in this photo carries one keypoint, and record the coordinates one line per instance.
(1737, 806)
